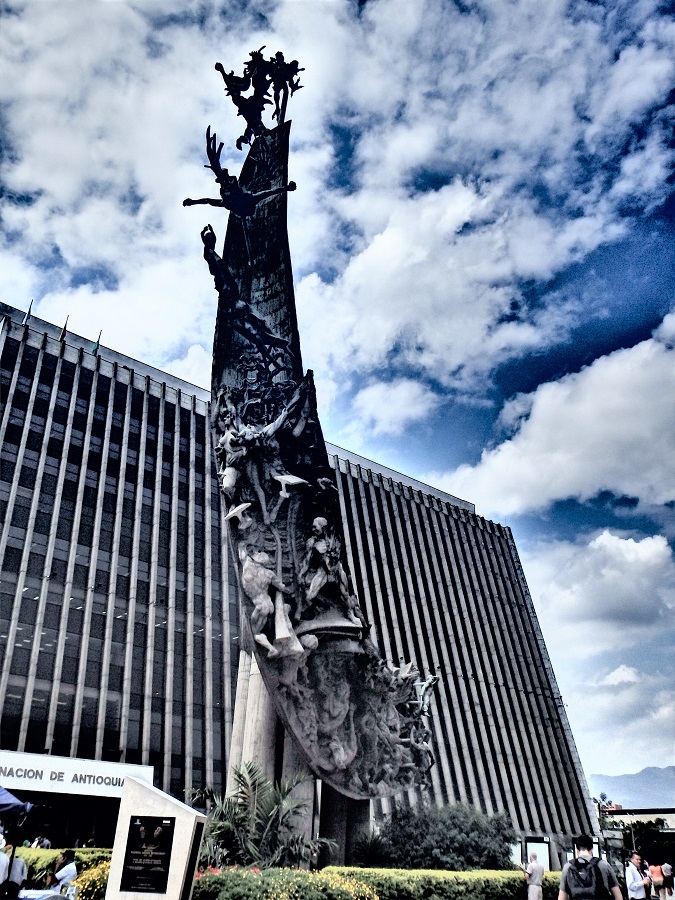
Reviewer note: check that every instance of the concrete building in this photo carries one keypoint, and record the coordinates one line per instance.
(118, 610)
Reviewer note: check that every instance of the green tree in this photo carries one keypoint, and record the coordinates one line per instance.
(255, 824)
(454, 837)
(654, 843)
(602, 803)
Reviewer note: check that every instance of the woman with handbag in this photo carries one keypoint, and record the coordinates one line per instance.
(657, 876)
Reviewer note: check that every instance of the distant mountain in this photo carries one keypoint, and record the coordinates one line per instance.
(651, 788)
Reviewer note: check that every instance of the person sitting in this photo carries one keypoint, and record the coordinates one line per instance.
(65, 872)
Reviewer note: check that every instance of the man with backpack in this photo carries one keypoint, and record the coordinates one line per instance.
(586, 877)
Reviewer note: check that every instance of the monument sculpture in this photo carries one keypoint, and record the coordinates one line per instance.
(360, 722)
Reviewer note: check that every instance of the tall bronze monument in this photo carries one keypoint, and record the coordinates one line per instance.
(358, 721)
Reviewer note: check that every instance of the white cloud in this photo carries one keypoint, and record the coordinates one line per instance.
(157, 312)
(606, 605)
(508, 108)
(625, 727)
(613, 592)
(623, 674)
(644, 171)
(635, 81)
(436, 297)
(604, 428)
(494, 108)
(194, 367)
(390, 407)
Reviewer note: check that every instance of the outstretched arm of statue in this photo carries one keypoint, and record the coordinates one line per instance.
(287, 411)
(298, 397)
(223, 280)
(205, 201)
(272, 192)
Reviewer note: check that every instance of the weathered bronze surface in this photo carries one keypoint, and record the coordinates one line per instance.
(359, 721)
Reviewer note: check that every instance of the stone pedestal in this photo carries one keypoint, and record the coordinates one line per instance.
(255, 727)
(343, 820)
(257, 736)
(239, 717)
(294, 764)
(156, 848)
(358, 824)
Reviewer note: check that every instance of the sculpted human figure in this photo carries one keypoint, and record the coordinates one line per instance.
(263, 462)
(322, 566)
(315, 547)
(333, 572)
(232, 196)
(259, 74)
(425, 694)
(228, 457)
(251, 107)
(256, 578)
(342, 749)
(284, 76)
(242, 319)
(256, 69)
(423, 757)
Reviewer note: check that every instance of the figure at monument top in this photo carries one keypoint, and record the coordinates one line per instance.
(260, 74)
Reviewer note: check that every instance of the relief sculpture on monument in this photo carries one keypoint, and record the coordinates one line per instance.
(360, 722)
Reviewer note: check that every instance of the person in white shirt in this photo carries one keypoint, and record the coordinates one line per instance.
(535, 874)
(636, 882)
(66, 871)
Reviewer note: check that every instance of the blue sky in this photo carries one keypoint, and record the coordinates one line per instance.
(482, 242)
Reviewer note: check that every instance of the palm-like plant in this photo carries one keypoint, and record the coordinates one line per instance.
(254, 825)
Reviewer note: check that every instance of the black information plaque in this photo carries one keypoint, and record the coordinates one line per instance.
(148, 854)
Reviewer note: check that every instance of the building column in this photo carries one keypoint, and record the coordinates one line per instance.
(343, 820)
(359, 824)
(294, 764)
(234, 756)
(260, 728)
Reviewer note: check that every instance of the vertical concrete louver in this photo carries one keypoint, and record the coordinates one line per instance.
(118, 614)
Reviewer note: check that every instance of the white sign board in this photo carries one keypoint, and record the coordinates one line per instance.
(156, 848)
(63, 775)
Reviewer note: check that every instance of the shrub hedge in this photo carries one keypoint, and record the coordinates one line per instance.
(281, 884)
(418, 884)
(92, 883)
(332, 883)
(39, 862)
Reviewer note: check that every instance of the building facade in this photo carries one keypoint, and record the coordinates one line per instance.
(119, 610)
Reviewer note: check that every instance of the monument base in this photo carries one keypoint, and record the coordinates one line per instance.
(157, 844)
(343, 820)
(258, 736)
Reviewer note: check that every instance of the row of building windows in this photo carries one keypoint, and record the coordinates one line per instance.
(114, 486)
(130, 601)
(444, 591)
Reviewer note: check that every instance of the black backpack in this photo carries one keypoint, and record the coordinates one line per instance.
(10, 889)
(584, 880)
